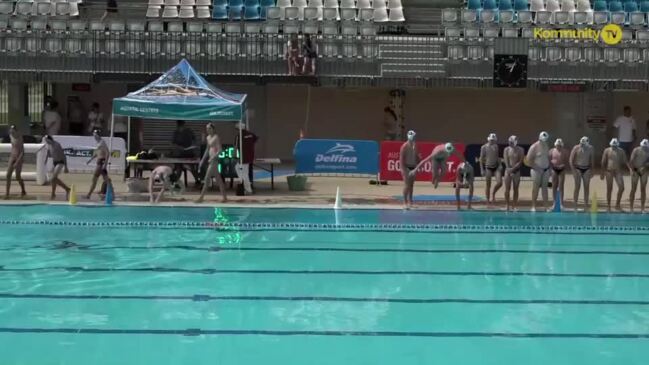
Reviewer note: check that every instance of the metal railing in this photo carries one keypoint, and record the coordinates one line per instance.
(154, 52)
(382, 60)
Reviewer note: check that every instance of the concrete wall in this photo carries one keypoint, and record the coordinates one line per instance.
(279, 112)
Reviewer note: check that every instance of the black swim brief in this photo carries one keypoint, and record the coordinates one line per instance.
(637, 171)
(582, 169)
(558, 170)
(58, 162)
(102, 163)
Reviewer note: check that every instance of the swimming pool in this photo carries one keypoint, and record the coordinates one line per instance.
(155, 285)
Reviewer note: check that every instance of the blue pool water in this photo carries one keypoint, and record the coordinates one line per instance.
(159, 285)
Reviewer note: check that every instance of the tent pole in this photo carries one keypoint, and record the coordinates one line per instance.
(128, 137)
(112, 132)
(241, 142)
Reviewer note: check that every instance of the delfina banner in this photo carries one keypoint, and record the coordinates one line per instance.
(79, 149)
(330, 156)
(390, 167)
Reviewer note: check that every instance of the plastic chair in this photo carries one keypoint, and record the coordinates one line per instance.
(378, 4)
(252, 13)
(348, 4)
(600, 6)
(170, 12)
(330, 4)
(552, 6)
(235, 12)
(151, 11)
(644, 6)
(187, 2)
(505, 5)
(186, 12)
(220, 12)
(474, 5)
(521, 5)
(203, 12)
(396, 15)
(631, 7)
(537, 5)
(615, 6)
(568, 5)
(381, 15)
(583, 5)
(251, 3)
(489, 5)
(363, 4)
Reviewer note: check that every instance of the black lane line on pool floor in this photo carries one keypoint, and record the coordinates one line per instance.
(206, 298)
(209, 271)
(227, 332)
(323, 249)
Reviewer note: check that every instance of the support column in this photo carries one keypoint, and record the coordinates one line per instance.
(17, 100)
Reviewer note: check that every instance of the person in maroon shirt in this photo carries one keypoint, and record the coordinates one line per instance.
(248, 151)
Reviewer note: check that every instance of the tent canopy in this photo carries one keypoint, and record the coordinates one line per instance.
(181, 94)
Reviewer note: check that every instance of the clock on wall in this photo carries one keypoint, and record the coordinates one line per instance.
(510, 71)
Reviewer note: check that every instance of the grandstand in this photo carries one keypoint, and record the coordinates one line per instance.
(361, 42)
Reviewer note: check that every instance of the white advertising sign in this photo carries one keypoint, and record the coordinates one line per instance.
(79, 149)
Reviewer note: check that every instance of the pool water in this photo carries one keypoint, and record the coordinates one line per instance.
(106, 285)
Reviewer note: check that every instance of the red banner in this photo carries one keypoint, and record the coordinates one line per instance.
(390, 168)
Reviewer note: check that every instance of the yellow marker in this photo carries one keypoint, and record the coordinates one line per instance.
(73, 195)
(593, 203)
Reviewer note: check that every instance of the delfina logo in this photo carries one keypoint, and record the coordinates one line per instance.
(336, 154)
(610, 34)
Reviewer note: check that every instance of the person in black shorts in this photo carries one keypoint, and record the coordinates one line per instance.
(55, 151)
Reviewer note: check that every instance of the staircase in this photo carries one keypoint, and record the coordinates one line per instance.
(413, 57)
(425, 16)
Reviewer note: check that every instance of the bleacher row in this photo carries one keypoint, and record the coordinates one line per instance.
(313, 10)
(551, 12)
(117, 27)
(487, 34)
(56, 8)
(142, 39)
(567, 53)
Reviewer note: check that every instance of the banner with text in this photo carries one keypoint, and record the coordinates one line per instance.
(78, 150)
(390, 168)
(328, 156)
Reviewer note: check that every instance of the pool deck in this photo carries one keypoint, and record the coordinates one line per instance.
(320, 193)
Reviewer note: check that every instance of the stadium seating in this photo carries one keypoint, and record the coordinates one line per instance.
(626, 13)
(278, 10)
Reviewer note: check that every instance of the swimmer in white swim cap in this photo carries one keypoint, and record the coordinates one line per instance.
(638, 166)
(539, 162)
(513, 156)
(464, 178)
(438, 158)
(559, 156)
(490, 166)
(613, 163)
(582, 160)
(408, 159)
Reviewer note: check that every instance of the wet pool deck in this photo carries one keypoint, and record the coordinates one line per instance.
(320, 193)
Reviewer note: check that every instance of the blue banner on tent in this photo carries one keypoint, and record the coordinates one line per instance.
(329, 156)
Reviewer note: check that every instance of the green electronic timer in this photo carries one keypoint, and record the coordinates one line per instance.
(228, 159)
